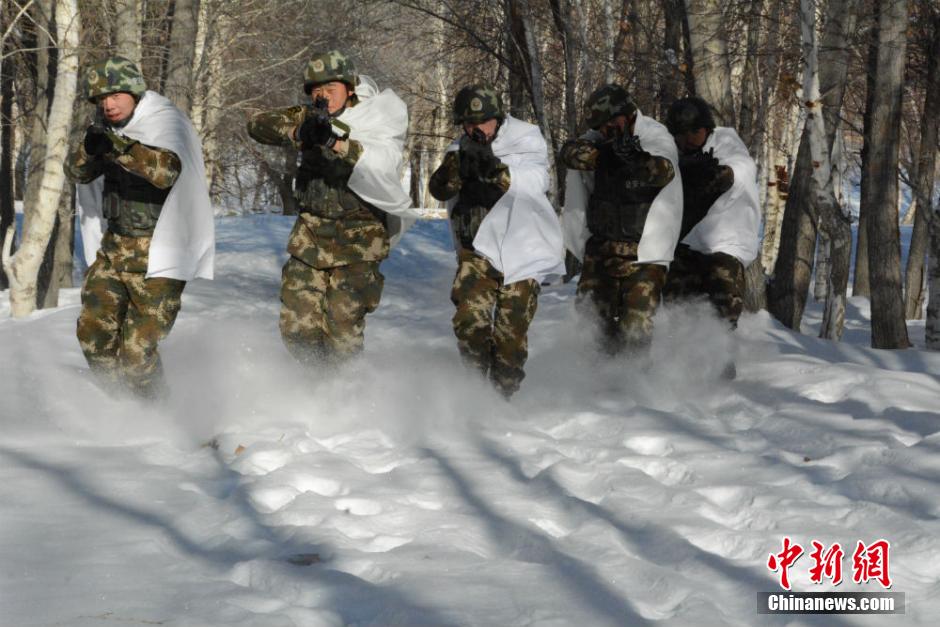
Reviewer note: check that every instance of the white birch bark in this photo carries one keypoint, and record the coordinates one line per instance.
(612, 22)
(127, 29)
(205, 51)
(214, 100)
(179, 82)
(821, 185)
(712, 65)
(23, 267)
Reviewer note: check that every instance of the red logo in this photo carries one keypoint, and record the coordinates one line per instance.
(783, 560)
(869, 562)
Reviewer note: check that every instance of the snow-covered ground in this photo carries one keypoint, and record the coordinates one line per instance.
(401, 490)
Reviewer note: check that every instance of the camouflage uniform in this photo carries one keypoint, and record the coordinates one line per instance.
(332, 278)
(124, 314)
(623, 294)
(718, 276)
(492, 319)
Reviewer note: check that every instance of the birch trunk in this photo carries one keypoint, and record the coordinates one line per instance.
(212, 106)
(56, 268)
(671, 84)
(834, 61)
(7, 212)
(179, 83)
(561, 13)
(786, 295)
(749, 124)
(23, 267)
(39, 125)
(835, 235)
(202, 49)
(537, 91)
(127, 36)
(712, 65)
(612, 22)
(823, 266)
(862, 283)
(888, 327)
(926, 169)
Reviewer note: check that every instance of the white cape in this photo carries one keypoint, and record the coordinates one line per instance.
(732, 223)
(521, 235)
(380, 123)
(183, 245)
(664, 220)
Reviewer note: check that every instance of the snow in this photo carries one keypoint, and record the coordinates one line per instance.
(401, 490)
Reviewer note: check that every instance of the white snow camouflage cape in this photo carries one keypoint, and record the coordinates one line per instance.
(183, 245)
(664, 220)
(521, 235)
(732, 223)
(380, 123)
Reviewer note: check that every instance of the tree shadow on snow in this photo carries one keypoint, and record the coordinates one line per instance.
(351, 597)
(647, 538)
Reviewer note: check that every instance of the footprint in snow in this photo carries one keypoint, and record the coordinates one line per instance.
(262, 462)
(317, 485)
(649, 445)
(358, 507)
(666, 471)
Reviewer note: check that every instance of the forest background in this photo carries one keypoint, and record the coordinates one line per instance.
(837, 100)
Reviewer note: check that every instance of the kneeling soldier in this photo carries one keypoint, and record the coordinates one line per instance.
(506, 233)
(142, 163)
(623, 207)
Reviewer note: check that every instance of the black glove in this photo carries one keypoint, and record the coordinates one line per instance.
(316, 131)
(97, 142)
(700, 167)
(477, 161)
(627, 147)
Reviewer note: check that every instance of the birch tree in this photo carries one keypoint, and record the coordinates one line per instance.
(23, 267)
(932, 212)
(7, 214)
(926, 169)
(127, 36)
(179, 82)
(709, 48)
(861, 285)
(833, 221)
(888, 328)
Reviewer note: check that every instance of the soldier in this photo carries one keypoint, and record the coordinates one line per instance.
(721, 215)
(623, 208)
(142, 183)
(350, 139)
(506, 233)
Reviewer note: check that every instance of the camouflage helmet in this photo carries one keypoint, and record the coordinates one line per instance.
(607, 102)
(327, 67)
(477, 103)
(112, 75)
(689, 114)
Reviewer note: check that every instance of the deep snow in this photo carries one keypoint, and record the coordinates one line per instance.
(402, 490)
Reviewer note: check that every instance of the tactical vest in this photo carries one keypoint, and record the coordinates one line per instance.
(619, 205)
(130, 203)
(321, 189)
(696, 202)
(474, 202)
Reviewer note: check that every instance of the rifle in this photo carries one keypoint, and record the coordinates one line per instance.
(322, 127)
(98, 123)
(477, 161)
(96, 141)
